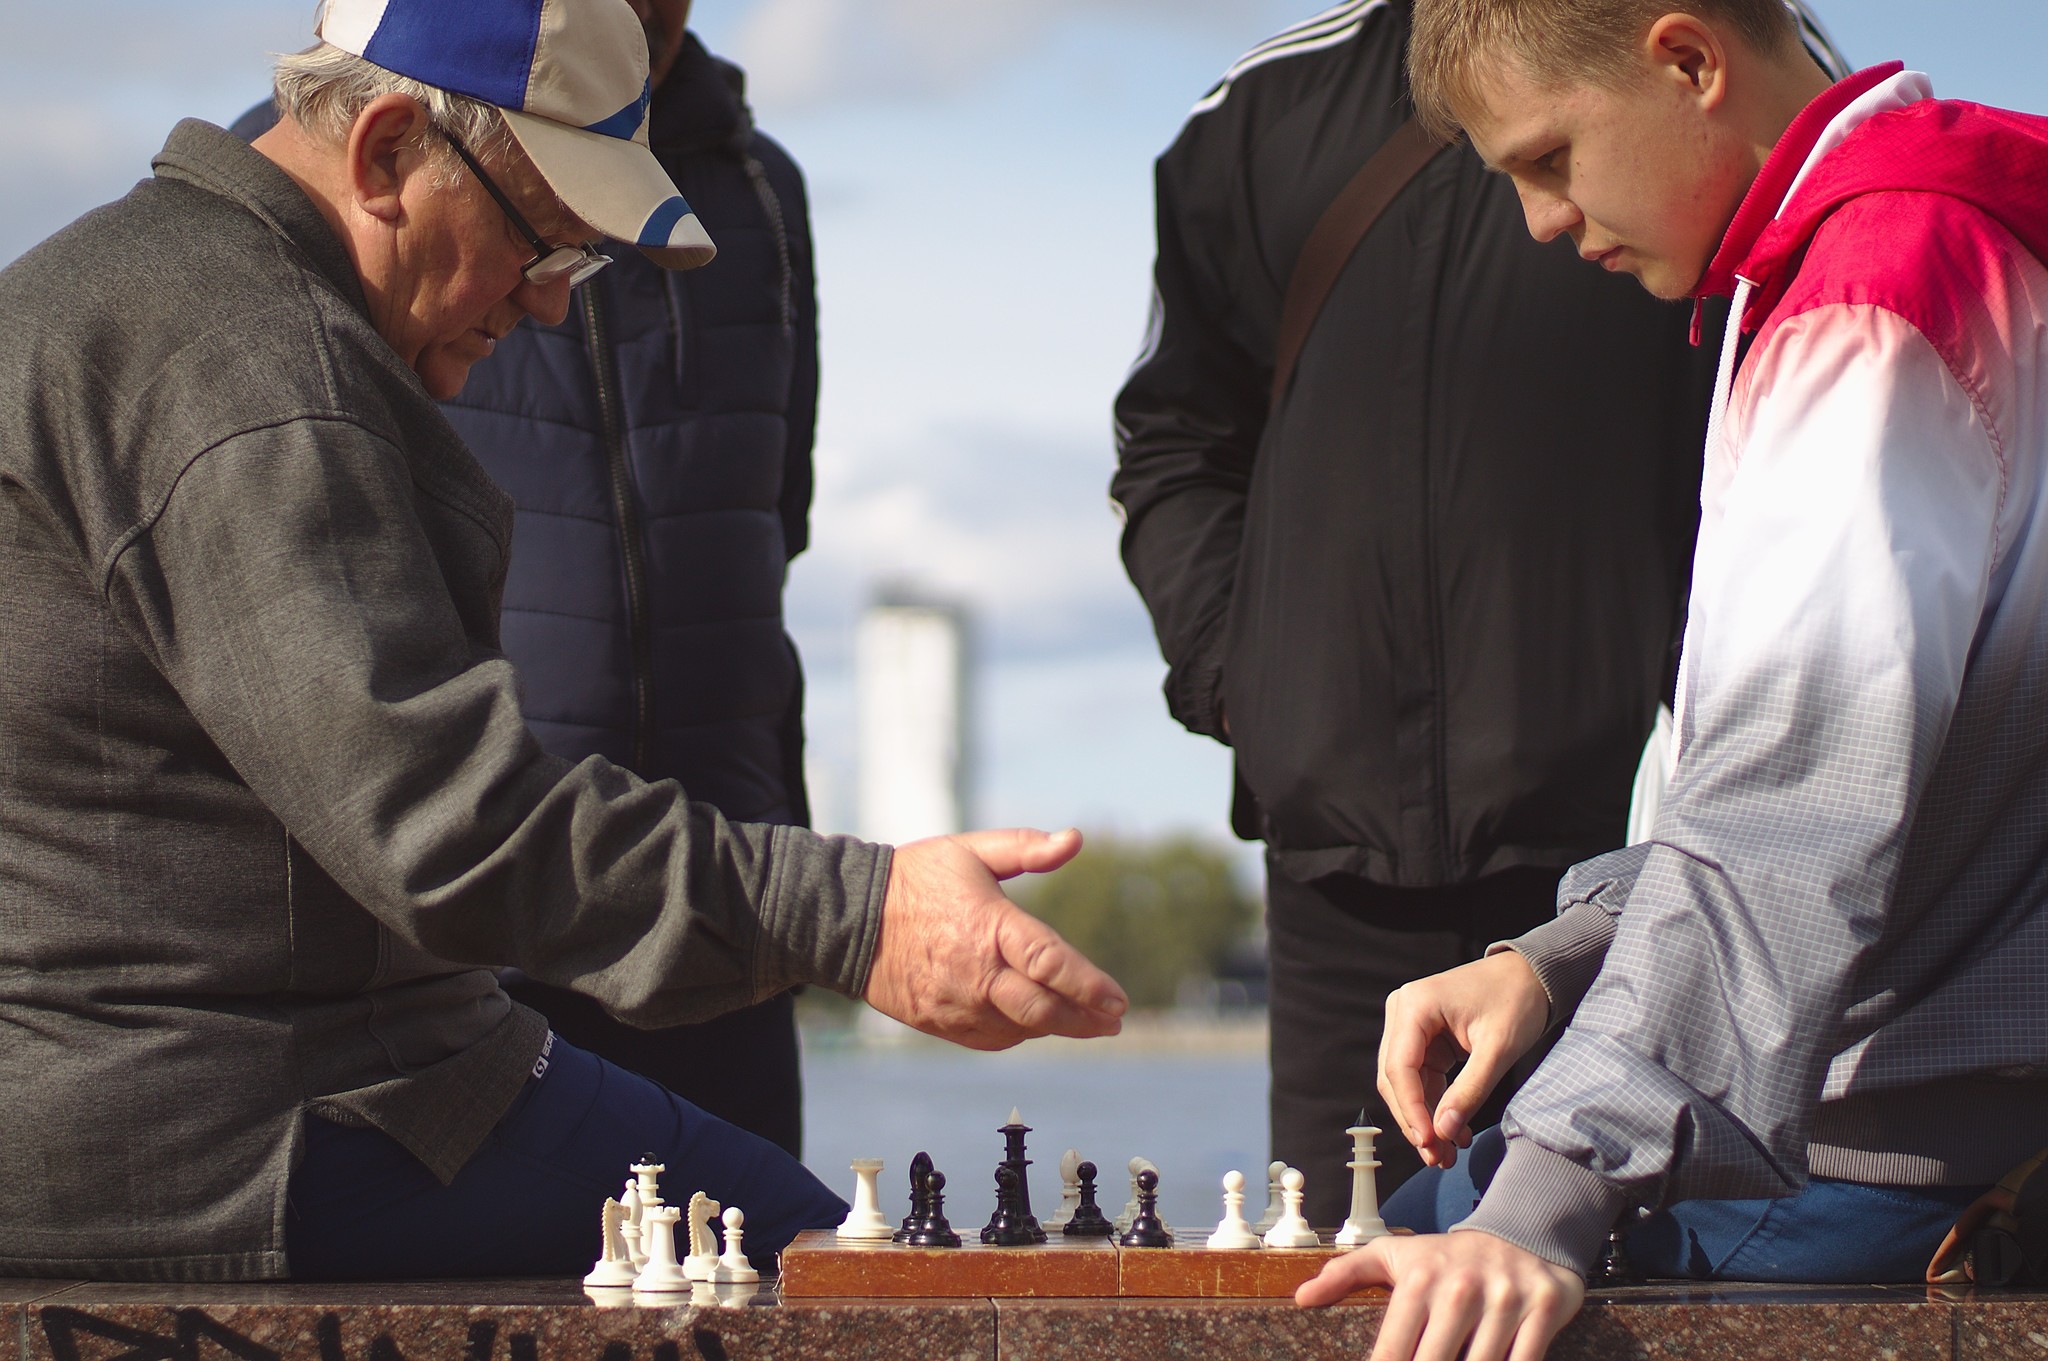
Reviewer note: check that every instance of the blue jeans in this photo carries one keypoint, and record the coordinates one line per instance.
(1833, 1232)
(527, 1204)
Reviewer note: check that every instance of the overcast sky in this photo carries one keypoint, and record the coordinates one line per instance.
(980, 176)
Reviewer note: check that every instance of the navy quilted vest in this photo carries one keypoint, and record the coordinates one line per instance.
(658, 445)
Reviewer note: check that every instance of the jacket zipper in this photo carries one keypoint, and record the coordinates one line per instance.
(771, 208)
(626, 514)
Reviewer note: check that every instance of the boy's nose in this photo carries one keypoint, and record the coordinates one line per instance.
(1549, 215)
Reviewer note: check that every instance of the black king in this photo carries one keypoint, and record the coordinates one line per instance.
(1013, 1158)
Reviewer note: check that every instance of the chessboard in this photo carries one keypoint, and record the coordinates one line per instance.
(820, 1265)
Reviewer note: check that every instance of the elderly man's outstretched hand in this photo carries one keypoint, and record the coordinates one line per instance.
(959, 960)
(1465, 1295)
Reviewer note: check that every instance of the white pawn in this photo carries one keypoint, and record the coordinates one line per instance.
(1363, 1224)
(1275, 1205)
(629, 1225)
(1070, 1191)
(1123, 1221)
(614, 1264)
(864, 1222)
(662, 1275)
(1233, 1233)
(734, 1266)
(702, 1263)
(1293, 1230)
(1130, 1210)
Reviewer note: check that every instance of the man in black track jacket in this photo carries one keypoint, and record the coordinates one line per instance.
(1431, 599)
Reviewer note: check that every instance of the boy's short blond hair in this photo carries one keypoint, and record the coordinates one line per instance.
(1557, 41)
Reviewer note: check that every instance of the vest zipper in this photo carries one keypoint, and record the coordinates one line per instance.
(771, 208)
(626, 515)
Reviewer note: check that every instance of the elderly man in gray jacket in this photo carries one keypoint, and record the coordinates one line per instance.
(268, 809)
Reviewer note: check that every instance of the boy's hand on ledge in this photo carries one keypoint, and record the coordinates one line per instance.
(957, 959)
(1493, 1010)
(1455, 1294)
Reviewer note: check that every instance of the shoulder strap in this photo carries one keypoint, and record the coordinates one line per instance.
(1335, 239)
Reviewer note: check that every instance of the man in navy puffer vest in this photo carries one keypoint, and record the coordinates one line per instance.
(658, 444)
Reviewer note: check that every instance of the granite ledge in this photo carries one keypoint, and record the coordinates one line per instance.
(556, 1321)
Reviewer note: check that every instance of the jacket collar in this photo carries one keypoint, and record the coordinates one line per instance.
(1766, 196)
(219, 162)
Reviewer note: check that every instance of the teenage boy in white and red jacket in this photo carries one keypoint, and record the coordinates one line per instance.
(1805, 1019)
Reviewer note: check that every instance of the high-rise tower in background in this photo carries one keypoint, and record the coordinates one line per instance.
(912, 673)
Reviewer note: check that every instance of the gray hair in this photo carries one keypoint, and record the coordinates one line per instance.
(323, 88)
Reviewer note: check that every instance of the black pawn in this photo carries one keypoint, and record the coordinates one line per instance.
(920, 1197)
(1007, 1228)
(933, 1231)
(1088, 1221)
(1147, 1231)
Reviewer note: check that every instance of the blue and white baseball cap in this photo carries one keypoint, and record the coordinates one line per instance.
(570, 77)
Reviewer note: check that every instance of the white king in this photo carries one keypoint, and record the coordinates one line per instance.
(1364, 1223)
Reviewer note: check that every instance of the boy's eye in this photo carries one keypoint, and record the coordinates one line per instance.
(1555, 162)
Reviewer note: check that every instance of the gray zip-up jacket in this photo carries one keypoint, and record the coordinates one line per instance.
(268, 809)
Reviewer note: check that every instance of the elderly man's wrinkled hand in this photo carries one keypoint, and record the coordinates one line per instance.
(957, 959)
(1455, 1294)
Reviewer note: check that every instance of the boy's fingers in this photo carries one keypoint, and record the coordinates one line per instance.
(1401, 1084)
(1346, 1275)
(1475, 1082)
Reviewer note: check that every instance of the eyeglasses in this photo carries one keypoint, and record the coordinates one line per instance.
(549, 263)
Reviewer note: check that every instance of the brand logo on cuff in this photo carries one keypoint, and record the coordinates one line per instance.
(540, 1065)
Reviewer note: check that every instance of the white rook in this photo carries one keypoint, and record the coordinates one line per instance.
(864, 1222)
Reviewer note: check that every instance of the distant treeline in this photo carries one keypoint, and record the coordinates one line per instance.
(1151, 912)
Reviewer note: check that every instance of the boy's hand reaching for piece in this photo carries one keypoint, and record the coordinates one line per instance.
(1493, 1010)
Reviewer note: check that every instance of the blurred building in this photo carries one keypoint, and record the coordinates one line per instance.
(912, 684)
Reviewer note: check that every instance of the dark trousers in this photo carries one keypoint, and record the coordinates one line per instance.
(526, 1203)
(1337, 947)
(743, 1067)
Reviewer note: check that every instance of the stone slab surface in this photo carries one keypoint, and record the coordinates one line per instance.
(14, 1294)
(1185, 1330)
(818, 1266)
(1998, 1325)
(1760, 1323)
(558, 1321)
(488, 1321)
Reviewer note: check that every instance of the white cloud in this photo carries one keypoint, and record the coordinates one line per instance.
(811, 51)
(1013, 522)
(89, 89)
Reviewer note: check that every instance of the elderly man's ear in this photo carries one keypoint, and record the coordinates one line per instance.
(383, 152)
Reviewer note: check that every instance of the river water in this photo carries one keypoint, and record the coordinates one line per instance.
(1196, 1111)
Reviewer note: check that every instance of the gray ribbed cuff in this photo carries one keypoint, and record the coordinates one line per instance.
(1566, 952)
(821, 915)
(1548, 1204)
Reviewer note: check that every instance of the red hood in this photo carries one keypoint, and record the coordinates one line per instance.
(1994, 160)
